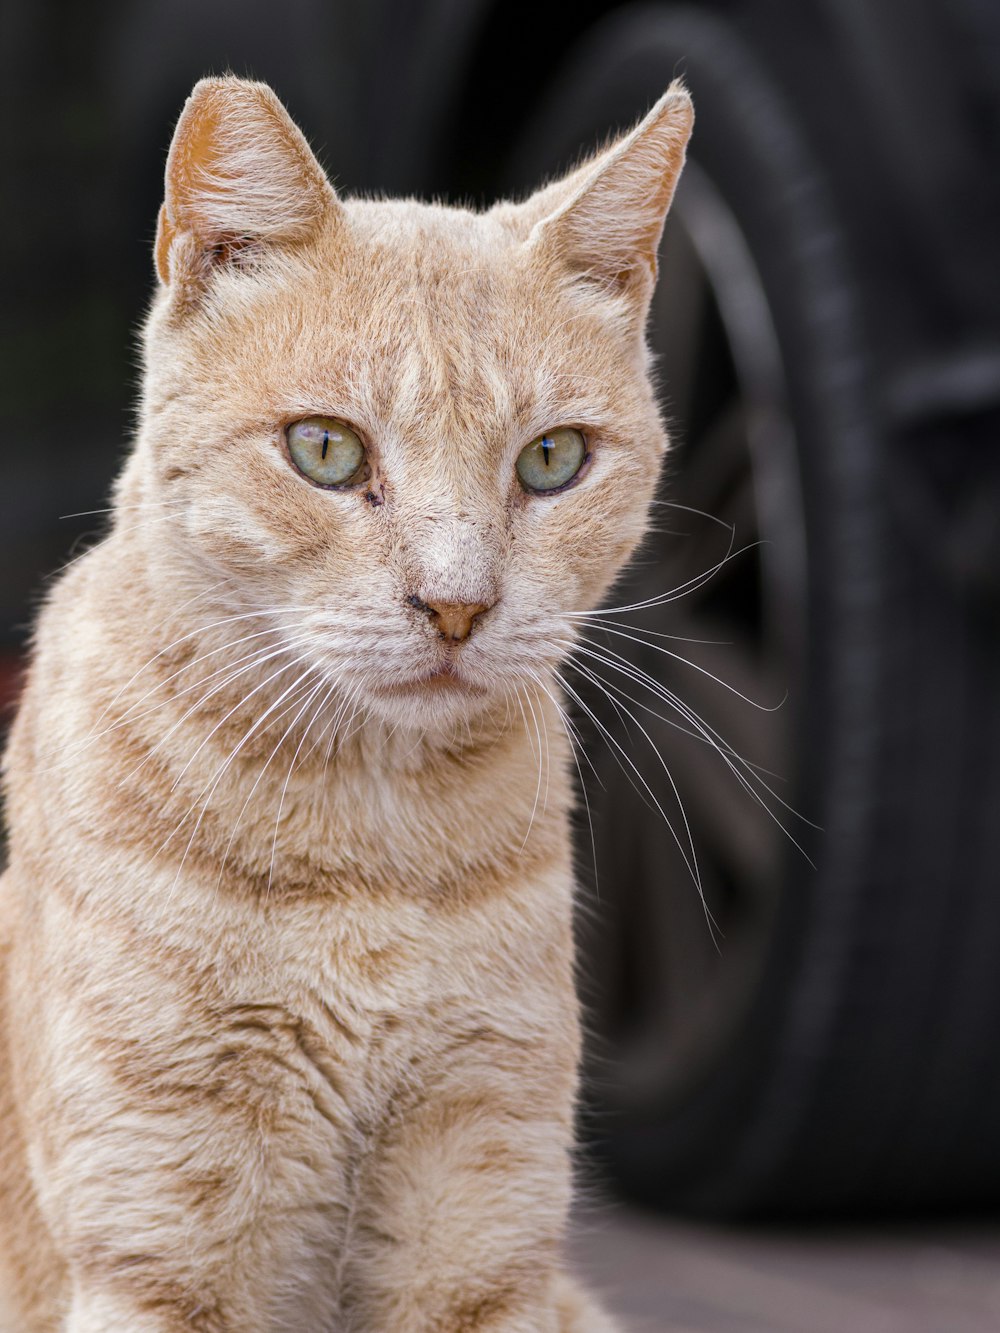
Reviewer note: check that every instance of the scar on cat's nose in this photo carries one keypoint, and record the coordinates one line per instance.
(453, 620)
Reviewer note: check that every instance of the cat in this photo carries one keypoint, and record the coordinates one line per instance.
(289, 1032)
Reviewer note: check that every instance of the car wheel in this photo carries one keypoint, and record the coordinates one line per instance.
(765, 1051)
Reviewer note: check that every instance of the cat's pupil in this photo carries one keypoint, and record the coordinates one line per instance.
(546, 449)
(326, 443)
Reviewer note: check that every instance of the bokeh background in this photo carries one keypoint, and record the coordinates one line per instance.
(826, 553)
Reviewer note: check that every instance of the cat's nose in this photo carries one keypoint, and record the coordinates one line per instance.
(452, 620)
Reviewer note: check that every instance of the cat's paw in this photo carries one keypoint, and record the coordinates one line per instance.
(579, 1312)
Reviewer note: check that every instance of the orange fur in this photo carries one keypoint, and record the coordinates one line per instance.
(289, 1036)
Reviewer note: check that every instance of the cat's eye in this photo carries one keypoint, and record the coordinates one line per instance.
(327, 452)
(551, 460)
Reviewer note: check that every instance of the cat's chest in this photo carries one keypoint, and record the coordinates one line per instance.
(342, 1013)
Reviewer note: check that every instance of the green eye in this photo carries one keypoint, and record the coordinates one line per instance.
(551, 460)
(327, 452)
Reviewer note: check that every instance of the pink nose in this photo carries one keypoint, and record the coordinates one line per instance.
(452, 620)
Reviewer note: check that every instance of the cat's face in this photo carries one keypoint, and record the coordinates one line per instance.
(435, 579)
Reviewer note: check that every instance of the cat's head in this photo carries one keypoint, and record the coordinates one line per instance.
(423, 437)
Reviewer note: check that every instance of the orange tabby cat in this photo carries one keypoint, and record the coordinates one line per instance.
(289, 1037)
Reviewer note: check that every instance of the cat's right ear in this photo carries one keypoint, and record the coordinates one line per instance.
(239, 175)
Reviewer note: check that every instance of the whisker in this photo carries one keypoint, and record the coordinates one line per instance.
(222, 770)
(542, 729)
(538, 757)
(349, 701)
(678, 657)
(594, 622)
(128, 715)
(318, 740)
(257, 655)
(700, 513)
(256, 784)
(256, 659)
(690, 861)
(291, 768)
(297, 661)
(703, 730)
(577, 748)
(684, 589)
(116, 509)
(711, 737)
(624, 712)
(635, 673)
(200, 629)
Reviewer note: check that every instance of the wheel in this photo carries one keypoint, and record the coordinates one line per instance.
(779, 1047)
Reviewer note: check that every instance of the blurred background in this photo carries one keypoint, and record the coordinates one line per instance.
(810, 642)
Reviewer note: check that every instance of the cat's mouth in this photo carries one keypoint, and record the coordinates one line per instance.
(444, 677)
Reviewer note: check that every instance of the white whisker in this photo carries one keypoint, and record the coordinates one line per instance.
(537, 756)
(220, 773)
(291, 768)
(296, 661)
(577, 748)
(710, 737)
(690, 860)
(257, 659)
(677, 657)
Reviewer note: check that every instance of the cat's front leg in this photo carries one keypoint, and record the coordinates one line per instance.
(185, 1149)
(153, 1240)
(97, 1311)
(464, 1208)
(214, 1217)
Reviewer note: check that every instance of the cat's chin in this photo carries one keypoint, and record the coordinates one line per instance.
(444, 679)
(435, 698)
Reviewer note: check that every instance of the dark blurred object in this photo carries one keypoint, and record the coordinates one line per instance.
(829, 328)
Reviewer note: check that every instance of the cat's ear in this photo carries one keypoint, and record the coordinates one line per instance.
(603, 222)
(239, 174)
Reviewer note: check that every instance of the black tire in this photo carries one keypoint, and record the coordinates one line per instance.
(853, 1065)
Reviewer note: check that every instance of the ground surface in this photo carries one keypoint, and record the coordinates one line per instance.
(663, 1276)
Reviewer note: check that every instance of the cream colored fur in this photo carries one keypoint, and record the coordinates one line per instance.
(289, 1036)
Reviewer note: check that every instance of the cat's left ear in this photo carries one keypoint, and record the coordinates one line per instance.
(239, 174)
(604, 221)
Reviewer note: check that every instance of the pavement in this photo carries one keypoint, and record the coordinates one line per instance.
(666, 1276)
